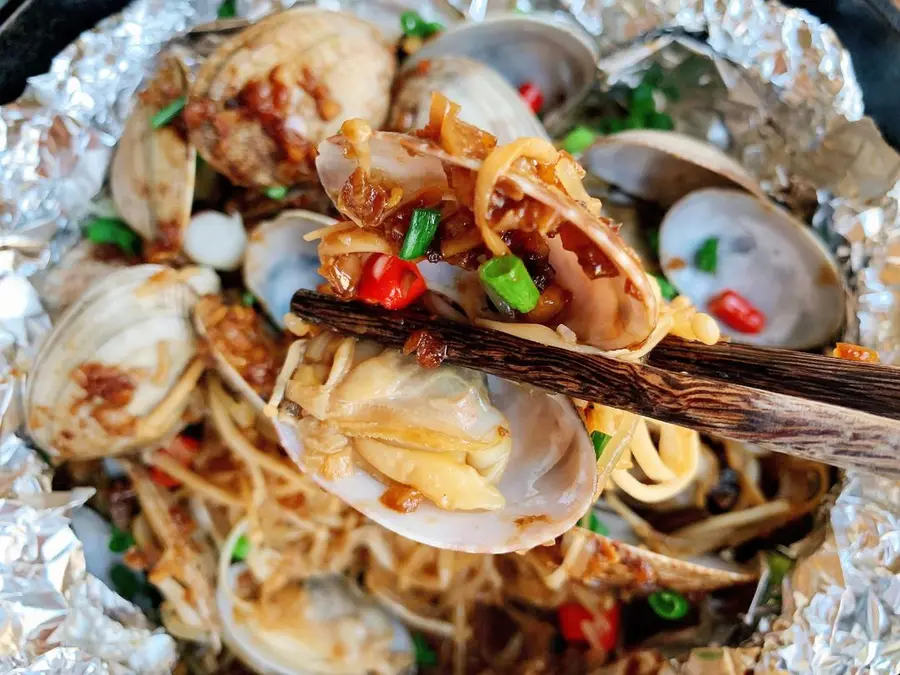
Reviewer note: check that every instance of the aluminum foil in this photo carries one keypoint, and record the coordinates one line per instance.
(776, 90)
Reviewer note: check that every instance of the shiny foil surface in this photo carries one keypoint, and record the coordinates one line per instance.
(771, 86)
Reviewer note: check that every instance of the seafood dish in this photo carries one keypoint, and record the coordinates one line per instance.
(285, 499)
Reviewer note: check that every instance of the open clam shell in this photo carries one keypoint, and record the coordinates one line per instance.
(279, 261)
(616, 311)
(766, 255)
(542, 49)
(327, 625)
(487, 99)
(117, 372)
(594, 559)
(536, 463)
(664, 166)
(264, 99)
(153, 171)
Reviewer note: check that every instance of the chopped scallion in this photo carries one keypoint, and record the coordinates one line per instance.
(241, 548)
(507, 277)
(778, 567)
(422, 227)
(120, 540)
(125, 581)
(600, 441)
(248, 299)
(578, 140)
(665, 288)
(277, 192)
(112, 231)
(425, 655)
(227, 9)
(653, 240)
(597, 525)
(413, 25)
(169, 113)
(707, 257)
(669, 605)
(660, 121)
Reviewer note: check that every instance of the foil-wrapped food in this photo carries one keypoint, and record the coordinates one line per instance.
(283, 499)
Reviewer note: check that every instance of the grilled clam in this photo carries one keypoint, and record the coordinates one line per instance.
(543, 50)
(497, 466)
(279, 260)
(264, 99)
(153, 171)
(324, 624)
(117, 372)
(773, 260)
(603, 295)
(487, 99)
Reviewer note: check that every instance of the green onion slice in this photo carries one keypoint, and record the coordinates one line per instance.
(707, 257)
(425, 655)
(241, 548)
(507, 277)
(422, 228)
(779, 565)
(579, 139)
(227, 9)
(277, 192)
(113, 231)
(120, 540)
(669, 605)
(665, 288)
(600, 441)
(125, 581)
(167, 114)
(597, 525)
(248, 299)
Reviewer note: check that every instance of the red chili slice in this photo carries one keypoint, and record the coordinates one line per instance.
(390, 282)
(182, 450)
(573, 617)
(736, 312)
(532, 96)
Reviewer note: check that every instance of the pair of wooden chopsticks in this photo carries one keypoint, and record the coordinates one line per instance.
(816, 407)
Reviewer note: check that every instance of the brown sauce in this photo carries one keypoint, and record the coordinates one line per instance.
(401, 498)
(430, 350)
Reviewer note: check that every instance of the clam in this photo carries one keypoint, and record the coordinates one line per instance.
(267, 96)
(487, 99)
(440, 456)
(216, 240)
(764, 254)
(280, 261)
(664, 166)
(324, 624)
(541, 49)
(153, 171)
(118, 370)
(386, 13)
(616, 310)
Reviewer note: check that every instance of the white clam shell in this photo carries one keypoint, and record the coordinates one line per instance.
(279, 261)
(548, 483)
(764, 254)
(386, 13)
(554, 54)
(216, 239)
(664, 166)
(334, 596)
(138, 320)
(346, 56)
(153, 171)
(487, 100)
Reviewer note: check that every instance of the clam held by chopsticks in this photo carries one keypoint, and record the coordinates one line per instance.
(117, 372)
(266, 97)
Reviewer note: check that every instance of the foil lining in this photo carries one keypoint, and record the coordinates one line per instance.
(776, 90)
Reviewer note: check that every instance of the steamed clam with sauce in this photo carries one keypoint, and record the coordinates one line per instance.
(118, 371)
(723, 244)
(267, 96)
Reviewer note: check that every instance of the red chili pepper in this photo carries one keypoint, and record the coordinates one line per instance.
(735, 311)
(573, 617)
(182, 450)
(390, 282)
(532, 95)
